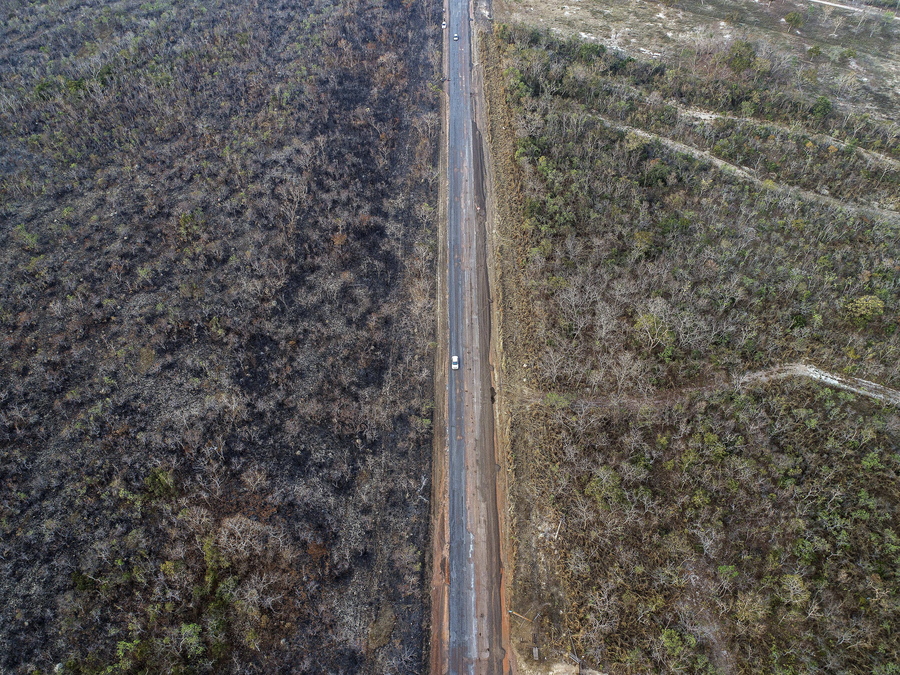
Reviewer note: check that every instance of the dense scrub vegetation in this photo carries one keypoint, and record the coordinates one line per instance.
(737, 530)
(652, 266)
(817, 50)
(802, 142)
(742, 79)
(746, 531)
(217, 276)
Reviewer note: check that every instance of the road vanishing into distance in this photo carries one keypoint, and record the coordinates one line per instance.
(474, 600)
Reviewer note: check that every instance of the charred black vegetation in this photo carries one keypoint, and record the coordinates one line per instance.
(215, 368)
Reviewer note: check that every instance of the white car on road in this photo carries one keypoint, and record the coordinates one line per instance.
(454, 362)
(455, 36)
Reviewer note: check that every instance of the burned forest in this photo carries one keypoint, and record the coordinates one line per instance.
(217, 230)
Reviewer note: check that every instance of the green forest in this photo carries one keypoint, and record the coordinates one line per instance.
(673, 232)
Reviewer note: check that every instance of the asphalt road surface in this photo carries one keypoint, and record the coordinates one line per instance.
(474, 599)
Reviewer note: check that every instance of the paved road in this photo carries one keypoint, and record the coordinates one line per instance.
(475, 608)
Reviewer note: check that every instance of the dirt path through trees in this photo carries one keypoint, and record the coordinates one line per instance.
(868, 154)
(865, 10)
(853, 384)
(748, 174)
